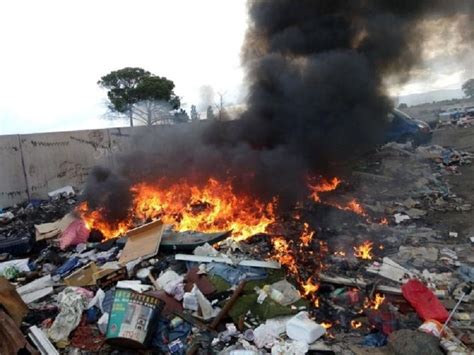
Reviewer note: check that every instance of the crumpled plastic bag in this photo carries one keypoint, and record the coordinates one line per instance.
(426, 304)
(195, 300)
(172, 284)
(71, 305)
(206, 250)
(281, 292)
(204, 305)
(76, 233)
(7, 268)
(97, 300)
(103, 322)
(268, 333)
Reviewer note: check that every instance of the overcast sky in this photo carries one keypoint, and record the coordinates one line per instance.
(55, 51)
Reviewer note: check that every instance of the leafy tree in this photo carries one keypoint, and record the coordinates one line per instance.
(181, 116)
(468, 88)
(121, 85)
(141, 95)
(402, 106)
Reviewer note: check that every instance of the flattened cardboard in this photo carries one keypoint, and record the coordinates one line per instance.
(142, 242)
(51, 230)
(82, 277)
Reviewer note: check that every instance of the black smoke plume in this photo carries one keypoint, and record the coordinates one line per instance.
(317, 73)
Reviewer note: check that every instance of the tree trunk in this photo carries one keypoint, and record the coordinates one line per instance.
(149, 116)
(130, 115)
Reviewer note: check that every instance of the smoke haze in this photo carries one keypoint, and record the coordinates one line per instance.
(316, 72)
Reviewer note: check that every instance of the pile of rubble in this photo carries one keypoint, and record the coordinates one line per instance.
(376, 278)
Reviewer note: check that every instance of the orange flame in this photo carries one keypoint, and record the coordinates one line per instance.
(376, 302)
(364, 251)
(330, 185)
(323, 186)
(95, 220)
(355, 324)
(355, 207)
(309, 287)
(210, 208)
(306, 235)
(326, 325)
(283, 254)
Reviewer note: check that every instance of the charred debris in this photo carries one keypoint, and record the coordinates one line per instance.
(221, 238)
(353, 269)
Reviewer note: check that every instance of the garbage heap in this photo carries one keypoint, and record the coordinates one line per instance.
(344, 281)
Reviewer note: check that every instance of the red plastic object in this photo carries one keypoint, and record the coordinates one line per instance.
(424, 301)
(76, 233)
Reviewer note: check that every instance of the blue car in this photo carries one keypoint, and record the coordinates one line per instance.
(403, 128)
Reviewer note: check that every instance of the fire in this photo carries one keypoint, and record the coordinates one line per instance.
(306, 235)
(323, 186)
(352, 206)
(309, 287)
(364, 251)
(210, 208)
(355, 324)
(95, 220)
(375, 303)
(384, 221)
(326, 325)
(330, 185)
(283, 254)
(340, 253)
(355, 207)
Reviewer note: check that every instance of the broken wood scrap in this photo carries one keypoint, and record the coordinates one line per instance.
(12, 339)
(11, 301)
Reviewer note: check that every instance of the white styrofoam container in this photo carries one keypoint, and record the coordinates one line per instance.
(301, 328)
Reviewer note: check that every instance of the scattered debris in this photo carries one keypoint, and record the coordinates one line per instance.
(334, 275)
(66, 191)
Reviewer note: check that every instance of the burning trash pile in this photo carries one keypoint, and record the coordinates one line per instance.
(266, 234)
(208, 271)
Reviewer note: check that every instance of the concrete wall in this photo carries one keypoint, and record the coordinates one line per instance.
(13, 187)
(31, 165)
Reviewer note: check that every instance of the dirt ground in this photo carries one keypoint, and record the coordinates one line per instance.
(462, 184)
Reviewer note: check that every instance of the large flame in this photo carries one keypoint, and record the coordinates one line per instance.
(210, 208)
